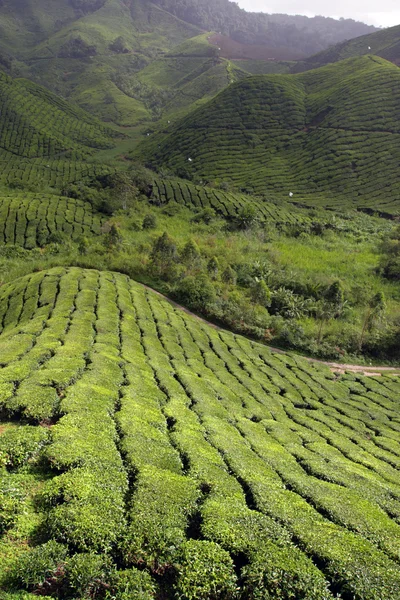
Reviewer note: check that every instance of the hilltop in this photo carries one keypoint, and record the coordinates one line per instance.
(325, 136)
(385, 43)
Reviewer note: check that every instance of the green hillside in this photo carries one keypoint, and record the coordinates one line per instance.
(198, 451)
(327, 136)
(44, 140)
(385, 43)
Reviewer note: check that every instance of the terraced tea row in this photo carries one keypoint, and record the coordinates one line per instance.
(225, 204)
(30, 220)
(39, 173)
(317, 135)
(172, 443)
(384, 43)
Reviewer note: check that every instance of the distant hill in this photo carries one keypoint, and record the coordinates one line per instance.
(329, 136)
(385, 43)
(292, 31)
(90, 51)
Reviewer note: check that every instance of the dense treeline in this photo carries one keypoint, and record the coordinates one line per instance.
(302, 33)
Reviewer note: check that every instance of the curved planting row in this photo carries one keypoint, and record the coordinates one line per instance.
(226, 204)
(30, 220)
(37, 173)
(182, 458)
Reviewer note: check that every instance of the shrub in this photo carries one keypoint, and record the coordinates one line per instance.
(197, 292)
(41, 569)
(272, 575)
(149, 221)
(205, 572)
(133, 583)
(19, 445)
(229, 276)
(89, 575)
(261, 293)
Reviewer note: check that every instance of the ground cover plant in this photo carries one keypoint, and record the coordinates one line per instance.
(198, 449)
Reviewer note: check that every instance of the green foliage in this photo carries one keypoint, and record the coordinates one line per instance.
(149, 221)
(20, 445)
(196, 291)
(229, 275)
(205, 573)
(89, 575)
(133, 583)
(41, 569)
(166, 460)
(286, 578)
(261, 294)
(308, 138)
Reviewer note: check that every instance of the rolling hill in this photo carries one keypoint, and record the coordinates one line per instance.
(327, 136)
(385, 43)
(45, 140)
(198, 450)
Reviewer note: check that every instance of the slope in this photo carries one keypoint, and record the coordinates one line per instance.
(45, 140)
(77, 54)
(317, 135)
(385, 43)
(198, 450)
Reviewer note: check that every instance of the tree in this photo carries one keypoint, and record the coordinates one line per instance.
(213, 267)
(246, 218)
(197, 292)
(113, 237)
(261, 294)
(83, 245)
(149, 221)
(229, 276)
(191, 254)
(373, 316)
(164, 254)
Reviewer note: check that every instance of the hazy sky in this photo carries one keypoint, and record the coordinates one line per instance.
(373, 12)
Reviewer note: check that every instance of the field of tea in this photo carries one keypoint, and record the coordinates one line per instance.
(322, 135)
(142, 445)
(30, 220)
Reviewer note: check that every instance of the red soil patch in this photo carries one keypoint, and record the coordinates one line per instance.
(232, 49)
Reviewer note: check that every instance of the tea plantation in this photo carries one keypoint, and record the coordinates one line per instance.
(29, 220)
(45, 141)
(146, 454)
(327, 136)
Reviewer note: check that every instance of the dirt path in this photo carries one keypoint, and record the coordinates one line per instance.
(337, 368)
